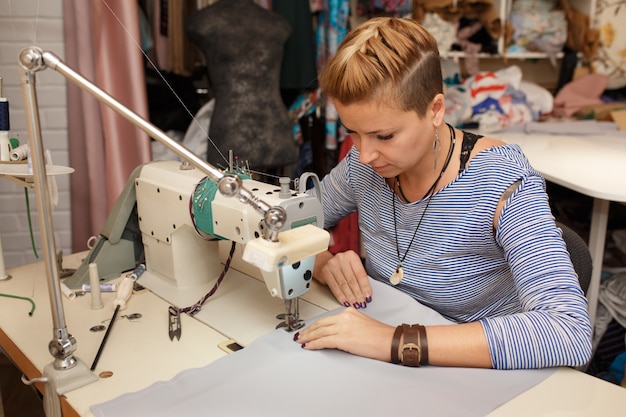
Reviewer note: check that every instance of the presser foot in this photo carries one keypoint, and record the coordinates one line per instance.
(291, 318)
(289, 324)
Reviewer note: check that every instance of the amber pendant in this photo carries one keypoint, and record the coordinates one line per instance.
(397, 276)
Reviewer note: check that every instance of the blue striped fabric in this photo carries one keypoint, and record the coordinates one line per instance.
(519, 282)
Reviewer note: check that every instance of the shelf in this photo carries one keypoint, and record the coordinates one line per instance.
(459, 55)
(19, 174)
(511, 55)
(504, 6)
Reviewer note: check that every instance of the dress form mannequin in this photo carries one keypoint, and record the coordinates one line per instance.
(242, 44)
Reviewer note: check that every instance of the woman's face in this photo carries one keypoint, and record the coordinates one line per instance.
(388, 139)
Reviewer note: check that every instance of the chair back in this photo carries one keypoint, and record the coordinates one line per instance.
(579, 254)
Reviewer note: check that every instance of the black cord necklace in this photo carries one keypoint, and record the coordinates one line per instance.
(397, 276)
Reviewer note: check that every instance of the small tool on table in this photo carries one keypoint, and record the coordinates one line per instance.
(124, 291)
(174, 326)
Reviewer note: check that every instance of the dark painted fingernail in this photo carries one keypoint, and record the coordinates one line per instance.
(303, 345)
(368, 299)
(296, 336)
(356, 305)
(363, 305)
(346, 304)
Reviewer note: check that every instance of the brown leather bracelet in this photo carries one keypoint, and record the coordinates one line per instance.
(395, 345)
(411, 354)
(423, 345)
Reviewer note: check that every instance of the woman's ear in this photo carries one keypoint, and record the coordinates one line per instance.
(438, 109)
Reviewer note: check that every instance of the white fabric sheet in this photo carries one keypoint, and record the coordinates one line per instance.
(273, 376)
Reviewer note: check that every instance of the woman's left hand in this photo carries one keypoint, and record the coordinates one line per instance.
(350, 331)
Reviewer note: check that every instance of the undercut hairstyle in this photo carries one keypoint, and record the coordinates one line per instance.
(394, 60)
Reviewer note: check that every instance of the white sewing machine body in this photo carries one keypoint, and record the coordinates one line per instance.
(183, 261)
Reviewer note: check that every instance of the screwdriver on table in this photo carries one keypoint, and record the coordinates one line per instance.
(124, 291)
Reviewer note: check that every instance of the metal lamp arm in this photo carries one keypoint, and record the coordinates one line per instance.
(34, 59)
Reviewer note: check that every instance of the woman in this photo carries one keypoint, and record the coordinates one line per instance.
(460, 222)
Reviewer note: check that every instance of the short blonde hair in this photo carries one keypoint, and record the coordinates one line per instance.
(391, 59)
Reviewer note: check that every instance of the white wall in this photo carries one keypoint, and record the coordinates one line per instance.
(24, 23)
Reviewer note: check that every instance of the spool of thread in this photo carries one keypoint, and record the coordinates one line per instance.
(5, 141)
(20, 153)
(5, 146)
(5, 124)
(94, 281)
(67, 291)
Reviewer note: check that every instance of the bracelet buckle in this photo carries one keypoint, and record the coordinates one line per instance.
(413, 356)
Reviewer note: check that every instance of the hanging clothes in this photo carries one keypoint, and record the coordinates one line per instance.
(332, 27)
(372, 8)
(298, 71)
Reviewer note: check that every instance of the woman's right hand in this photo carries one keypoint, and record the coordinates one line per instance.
(345, 276)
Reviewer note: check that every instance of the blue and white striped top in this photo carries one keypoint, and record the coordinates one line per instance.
(518, 282)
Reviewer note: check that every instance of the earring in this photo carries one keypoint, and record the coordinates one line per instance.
(436, 147)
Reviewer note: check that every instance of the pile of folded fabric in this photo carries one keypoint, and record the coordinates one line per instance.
(492, 101)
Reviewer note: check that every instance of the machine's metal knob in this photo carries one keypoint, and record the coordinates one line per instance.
(229, 185)
(275, 218)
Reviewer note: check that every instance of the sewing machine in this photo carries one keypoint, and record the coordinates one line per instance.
(187, 227)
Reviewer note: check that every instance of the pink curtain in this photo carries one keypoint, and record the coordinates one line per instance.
(102, 41)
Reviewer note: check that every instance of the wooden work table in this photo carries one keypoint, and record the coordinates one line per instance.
(139, 353)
